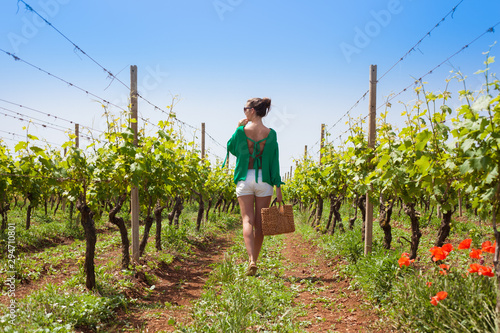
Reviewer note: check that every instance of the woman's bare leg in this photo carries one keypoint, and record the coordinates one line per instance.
(248, 216)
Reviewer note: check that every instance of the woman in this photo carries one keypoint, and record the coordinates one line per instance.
(257, 171)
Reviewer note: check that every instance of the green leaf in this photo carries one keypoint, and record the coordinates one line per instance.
(481, 103)
(480, 163)
(383, 160)
(37, 150)
(68, 144)
(465, 168)
(163, 135)
(450, 164)
(423, 164)
(446, 109)
(467, 144)
(20, 146)
(420, 146)
(128, 134)
(491, 176)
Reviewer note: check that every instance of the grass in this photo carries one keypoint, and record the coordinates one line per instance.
(233, 302)
(59, 309)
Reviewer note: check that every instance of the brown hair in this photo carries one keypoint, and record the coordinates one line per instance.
(262, 106)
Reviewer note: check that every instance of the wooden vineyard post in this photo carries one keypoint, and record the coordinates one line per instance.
(321, 145)
(371, 144)
(77, 136)
(460, 210)
(202, 141)
(134, 193)
(305, 152)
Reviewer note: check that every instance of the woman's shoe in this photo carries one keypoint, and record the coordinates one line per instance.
(252, 269)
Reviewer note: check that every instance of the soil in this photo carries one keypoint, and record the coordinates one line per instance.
(177, 286)
(332, 306)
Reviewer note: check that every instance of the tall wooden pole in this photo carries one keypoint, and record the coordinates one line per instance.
(460, 211)
(371, 144)
(321, 145)
(305, 152)
(134, 195)
(202, 141)
(77, 136)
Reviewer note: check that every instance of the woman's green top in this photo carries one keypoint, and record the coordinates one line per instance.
(266, 160)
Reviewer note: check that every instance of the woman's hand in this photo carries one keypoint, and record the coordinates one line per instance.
(242, 122)
(279, 197)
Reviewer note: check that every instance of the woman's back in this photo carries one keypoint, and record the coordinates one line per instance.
(256, 134)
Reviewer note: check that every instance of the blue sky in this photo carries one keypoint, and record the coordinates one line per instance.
(311, 58)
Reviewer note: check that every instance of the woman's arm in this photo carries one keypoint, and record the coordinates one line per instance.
(242, 122)
(279, 198)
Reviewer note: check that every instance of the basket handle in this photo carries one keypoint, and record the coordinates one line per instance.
(274, 202)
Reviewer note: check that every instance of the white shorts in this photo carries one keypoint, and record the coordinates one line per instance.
(250, 187)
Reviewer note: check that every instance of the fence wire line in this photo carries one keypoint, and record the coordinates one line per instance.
(50, 115)
(16, 58)
(360, 121)
(34, 122)
(109, 73)
(45, 125)
(33, 118)
(451, 12)
(104, 101)
(491, 29)
(340, 119)
(22, 136)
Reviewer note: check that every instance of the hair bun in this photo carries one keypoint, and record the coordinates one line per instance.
(262, 106)
(267, 102)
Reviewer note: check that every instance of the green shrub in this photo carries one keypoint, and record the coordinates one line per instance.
(376, 273)
(56, 310)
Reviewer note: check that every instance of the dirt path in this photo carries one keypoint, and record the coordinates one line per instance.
(177, 286)
(330, 305)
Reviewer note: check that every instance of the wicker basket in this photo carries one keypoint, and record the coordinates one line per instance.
(277, 220)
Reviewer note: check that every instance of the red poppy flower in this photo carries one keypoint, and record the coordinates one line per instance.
(474, 268)
(442, 295)
(428, 284)
(447, 248)
(488, 247)
(475, 254)
(483, 270)
(444, 266)
(438, 253)
(439, 297)
(465, 244)
(443, 272)
(404, 260)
